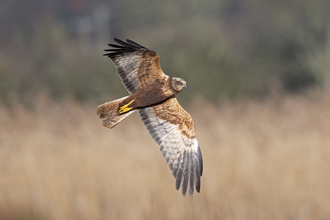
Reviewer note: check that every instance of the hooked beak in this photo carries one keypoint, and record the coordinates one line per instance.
(185, 86)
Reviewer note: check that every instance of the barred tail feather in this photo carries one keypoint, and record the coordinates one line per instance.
(109, 114)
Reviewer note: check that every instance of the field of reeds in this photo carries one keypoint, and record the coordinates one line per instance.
(263, 160)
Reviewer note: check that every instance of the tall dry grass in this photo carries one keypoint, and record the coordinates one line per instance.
(262, 160)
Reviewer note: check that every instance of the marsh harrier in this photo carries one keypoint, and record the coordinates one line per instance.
(152, 95)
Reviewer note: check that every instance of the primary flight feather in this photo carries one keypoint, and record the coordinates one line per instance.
(152, 95)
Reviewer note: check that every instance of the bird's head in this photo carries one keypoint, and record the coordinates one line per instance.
(178, 84)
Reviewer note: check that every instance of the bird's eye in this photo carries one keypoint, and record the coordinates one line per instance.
(180, 83)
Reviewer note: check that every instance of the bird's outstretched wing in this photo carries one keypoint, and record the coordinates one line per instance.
(172, 129)
(136, 65)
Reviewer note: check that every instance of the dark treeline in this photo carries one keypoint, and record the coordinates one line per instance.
(223, 49)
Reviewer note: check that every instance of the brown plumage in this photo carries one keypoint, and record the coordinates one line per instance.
(152, 94)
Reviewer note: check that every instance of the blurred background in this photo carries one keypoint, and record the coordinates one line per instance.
(258, 76)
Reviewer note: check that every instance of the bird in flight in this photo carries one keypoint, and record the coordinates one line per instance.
(152, 95)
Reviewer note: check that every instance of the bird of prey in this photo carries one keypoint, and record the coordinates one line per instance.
(152, 95)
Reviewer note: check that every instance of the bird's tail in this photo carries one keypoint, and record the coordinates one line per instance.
(109, 113)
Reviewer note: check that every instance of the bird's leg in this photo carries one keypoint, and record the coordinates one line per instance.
(125, 108)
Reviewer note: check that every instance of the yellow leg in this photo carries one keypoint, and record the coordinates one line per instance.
(125, 108)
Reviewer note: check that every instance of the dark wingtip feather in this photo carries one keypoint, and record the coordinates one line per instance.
(185, 184)
(197, 175)
(122, 47)
(116, 46)
(134, 43)
(178, 179)
(191, 174)
(200, 160)
(185, 173)
(121, 42)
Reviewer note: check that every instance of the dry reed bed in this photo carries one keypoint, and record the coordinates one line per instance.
(262, 160)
